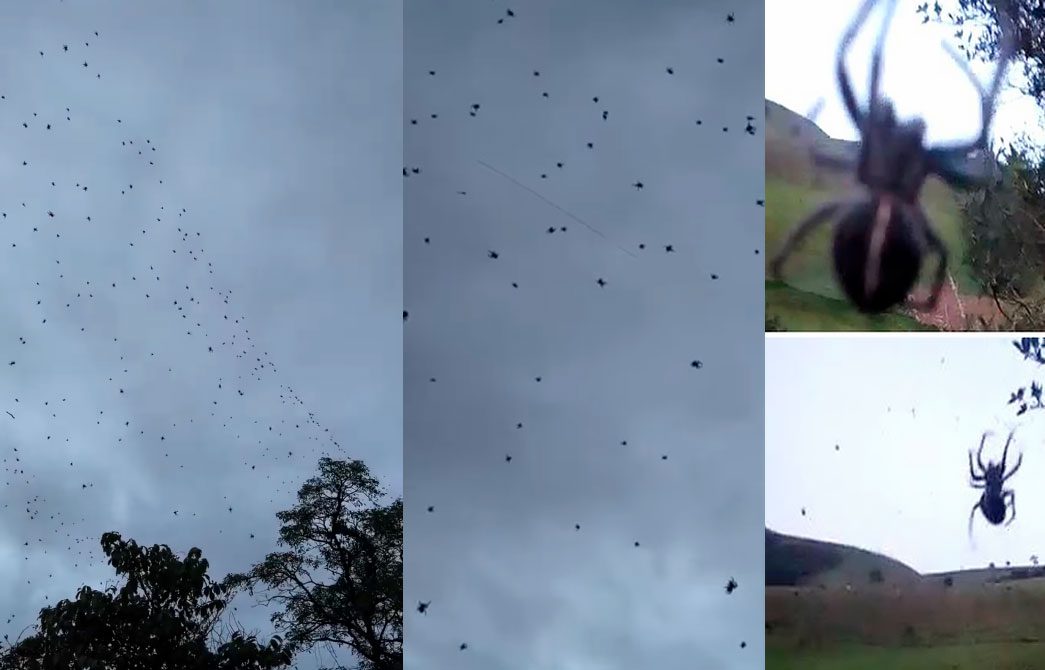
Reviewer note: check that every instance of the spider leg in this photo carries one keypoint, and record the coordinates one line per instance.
(1006, 50)
(802, 229)
(1005, 451)
(1010, 497)
(972, 515)
(935, 244)
(845, 87)
(1019, 462)
(876, 55)
(979, 452)
(949, 163)
(972, 473)
(952, 166)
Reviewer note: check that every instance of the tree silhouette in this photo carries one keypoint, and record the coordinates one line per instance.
(161, 619)
(976, 26)
(341, 579)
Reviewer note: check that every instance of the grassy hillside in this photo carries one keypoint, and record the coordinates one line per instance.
(794, 188)
(796, 561)
(837, 617)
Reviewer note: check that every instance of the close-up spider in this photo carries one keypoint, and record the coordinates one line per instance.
(995, 501)
(882, 234)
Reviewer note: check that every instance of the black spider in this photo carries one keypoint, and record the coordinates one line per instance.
(995, 500)
(882, 235)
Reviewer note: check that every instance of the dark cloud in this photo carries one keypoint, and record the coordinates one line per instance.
(500, 557)
(160, 345)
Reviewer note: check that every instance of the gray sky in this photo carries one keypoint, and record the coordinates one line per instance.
(499, 558)
(918, 76)
(904, 410)
(278, 132)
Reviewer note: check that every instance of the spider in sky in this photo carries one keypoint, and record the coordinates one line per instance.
(882, 235)
(995, 501)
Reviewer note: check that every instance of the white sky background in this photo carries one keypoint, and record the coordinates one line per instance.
(905, 411)
(918, 76)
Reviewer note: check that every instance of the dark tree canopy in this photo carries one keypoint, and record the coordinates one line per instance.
(977, 29)
(340, 580)
(162, 618)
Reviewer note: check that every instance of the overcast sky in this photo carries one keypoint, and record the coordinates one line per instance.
(499, 558)
(278, 133)
(802, 39)
(904, 411)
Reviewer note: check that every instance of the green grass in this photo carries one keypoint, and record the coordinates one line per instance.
(809, 269)
(995, 655)
(805, 311)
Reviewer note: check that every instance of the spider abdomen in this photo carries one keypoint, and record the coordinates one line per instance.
(899, 261)
(993, 508)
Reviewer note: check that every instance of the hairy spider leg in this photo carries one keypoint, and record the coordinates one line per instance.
(1005, 451)
(1006, 50)
(949, 165)
(949, 162)
(976, 478)
(818, 217)
(876, 55)
(1010, 501)
(979, 453)
(1019, 462)
(880, 117)
(841, 74)
(972, 515)
(934, 245)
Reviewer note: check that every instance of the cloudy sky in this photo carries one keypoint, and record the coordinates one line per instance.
(499, 557)
(918, 76)
(278, 134)
(904, 412)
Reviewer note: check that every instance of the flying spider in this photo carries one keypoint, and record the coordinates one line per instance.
(882, 235)
(995, 501)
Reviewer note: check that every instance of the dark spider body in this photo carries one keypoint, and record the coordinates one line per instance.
(882, 236)
(995, 501)
(900, 252)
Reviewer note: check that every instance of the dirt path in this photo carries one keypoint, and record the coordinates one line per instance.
(953, 311)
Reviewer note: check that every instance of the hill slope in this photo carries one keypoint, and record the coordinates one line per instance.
(797, 561)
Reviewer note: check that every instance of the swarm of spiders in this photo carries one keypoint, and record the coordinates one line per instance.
(995, 501)
(882, 235)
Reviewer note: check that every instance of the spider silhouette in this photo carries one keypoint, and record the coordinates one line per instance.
(995, 501)
(882, 235)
